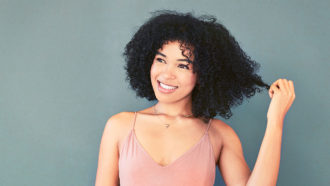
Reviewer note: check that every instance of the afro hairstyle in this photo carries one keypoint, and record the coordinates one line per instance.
(225, 73)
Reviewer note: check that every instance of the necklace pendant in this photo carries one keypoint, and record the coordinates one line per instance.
(166, 125)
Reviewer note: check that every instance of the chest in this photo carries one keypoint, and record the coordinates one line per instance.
(164, 147)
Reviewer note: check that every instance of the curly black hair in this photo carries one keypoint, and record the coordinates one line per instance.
(224, 71)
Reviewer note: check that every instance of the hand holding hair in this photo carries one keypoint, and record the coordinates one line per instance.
(282, 96)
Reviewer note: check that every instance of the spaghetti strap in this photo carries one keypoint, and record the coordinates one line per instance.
(208, 126)
(134, 121)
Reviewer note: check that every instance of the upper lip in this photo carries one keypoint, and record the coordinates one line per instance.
(167, 84)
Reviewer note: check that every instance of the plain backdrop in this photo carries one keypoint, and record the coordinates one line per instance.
(62, 77)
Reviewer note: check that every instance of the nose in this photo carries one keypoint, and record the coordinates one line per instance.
(169, 72)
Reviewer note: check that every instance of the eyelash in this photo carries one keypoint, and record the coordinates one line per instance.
(158, 59)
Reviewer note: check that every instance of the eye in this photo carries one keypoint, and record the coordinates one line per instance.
(184, 66)
(159, 59)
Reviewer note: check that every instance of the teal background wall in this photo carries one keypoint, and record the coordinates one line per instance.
(62, 77)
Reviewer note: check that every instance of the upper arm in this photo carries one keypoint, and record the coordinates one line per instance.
(107, 169)
(232, 164)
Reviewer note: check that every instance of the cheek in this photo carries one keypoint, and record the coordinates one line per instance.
(190, 80)
(152, 70)
(155, 70)
(193, 77)
(193, 81)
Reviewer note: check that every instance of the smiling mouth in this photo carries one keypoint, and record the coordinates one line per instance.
(166, 86)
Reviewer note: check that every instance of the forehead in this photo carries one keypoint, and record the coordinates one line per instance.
(174, 50)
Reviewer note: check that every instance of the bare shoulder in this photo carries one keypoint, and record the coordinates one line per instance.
(222, 129)
(119, 119)
(117, 125)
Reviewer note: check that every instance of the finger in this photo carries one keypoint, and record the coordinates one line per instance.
(291, 85)
(284, 85)
(292, 88)
(273, 89)
(276, 90)
(276, 82)
(276, 87)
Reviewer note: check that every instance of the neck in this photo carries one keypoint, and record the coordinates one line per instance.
(178, 109)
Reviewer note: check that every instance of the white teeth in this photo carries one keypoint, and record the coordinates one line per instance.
(166, 86)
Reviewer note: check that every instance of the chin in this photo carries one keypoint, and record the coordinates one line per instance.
(171, 98)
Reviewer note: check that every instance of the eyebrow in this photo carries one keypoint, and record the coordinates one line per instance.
(187, 60)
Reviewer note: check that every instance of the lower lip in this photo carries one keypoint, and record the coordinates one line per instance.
(163, 90)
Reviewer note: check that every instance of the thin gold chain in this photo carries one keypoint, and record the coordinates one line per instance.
(167, 124)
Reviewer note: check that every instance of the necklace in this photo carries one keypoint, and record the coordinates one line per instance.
(168, 124)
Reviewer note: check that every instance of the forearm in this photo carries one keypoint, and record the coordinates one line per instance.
(265, 171)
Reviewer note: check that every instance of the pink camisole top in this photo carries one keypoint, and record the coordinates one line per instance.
(196, 167)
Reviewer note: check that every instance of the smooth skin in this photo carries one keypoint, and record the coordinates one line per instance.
(159, 142)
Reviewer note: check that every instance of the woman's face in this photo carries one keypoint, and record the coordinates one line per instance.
(171, 68)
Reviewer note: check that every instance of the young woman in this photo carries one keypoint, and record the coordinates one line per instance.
(195, 70)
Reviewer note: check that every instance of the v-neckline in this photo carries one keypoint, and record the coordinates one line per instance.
(177, 159)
